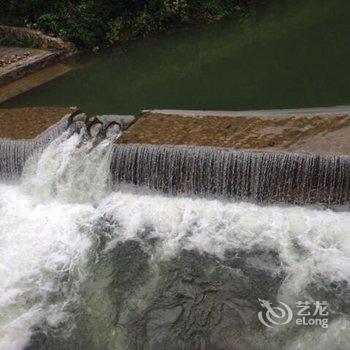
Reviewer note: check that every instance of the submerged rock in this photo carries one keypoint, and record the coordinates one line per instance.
(192, 301)
(200, 303)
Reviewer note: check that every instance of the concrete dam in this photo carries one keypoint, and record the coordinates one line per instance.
(140, 233)
(297, 157)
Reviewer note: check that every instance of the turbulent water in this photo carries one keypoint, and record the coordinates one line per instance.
(83, 266)
(14, 153)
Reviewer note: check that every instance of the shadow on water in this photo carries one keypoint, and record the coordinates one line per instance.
(192, 301)
(295, 55)
(133, 299)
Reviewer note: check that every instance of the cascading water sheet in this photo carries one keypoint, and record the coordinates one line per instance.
(14, 153)
(267, 177)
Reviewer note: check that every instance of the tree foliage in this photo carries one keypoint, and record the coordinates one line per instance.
(95, 23)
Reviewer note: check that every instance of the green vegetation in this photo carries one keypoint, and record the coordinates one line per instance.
(95, 23)
(25, 42)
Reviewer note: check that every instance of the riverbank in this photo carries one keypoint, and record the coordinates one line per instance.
(95, 24)
(24, 51)
(28, 59)
(270, 63)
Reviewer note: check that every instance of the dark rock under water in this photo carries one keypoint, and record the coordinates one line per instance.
(192, 301)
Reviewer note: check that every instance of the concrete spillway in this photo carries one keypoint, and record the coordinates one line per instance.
(259, 156)
(253, 176)
(26, 131)
(299, 157)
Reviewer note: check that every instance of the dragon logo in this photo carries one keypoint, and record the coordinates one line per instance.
(274, 316)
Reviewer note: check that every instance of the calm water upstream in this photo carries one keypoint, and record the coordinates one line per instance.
(291, 56)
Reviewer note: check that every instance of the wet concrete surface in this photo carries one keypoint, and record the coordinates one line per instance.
(305, 131)
(13, 56)
(28, 123)
(16, 62)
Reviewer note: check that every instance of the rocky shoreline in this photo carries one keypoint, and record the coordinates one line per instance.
(39, 51)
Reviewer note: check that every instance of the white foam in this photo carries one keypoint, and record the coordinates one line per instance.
(39, 243)
(41, 234)
(71, 169)
(308, 241)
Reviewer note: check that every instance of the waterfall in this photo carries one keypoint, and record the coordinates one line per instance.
(43, 248)
(84, 265)
(14, 153)
(245, 175)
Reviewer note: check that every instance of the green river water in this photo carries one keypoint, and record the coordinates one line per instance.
(291, 55)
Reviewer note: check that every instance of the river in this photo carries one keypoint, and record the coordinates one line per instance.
(293, 54)
(84, 266)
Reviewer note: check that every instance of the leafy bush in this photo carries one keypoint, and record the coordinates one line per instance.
(95, 23)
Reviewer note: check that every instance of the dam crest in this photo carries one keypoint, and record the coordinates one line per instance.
(212, 155)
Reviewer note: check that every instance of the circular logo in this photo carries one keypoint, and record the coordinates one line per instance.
(274, 315)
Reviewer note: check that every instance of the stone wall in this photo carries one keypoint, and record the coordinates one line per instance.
(37, 38)
(41, 51)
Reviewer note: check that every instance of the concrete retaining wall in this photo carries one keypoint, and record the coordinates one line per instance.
(31, 60)
(26, 131)
(37, 38)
